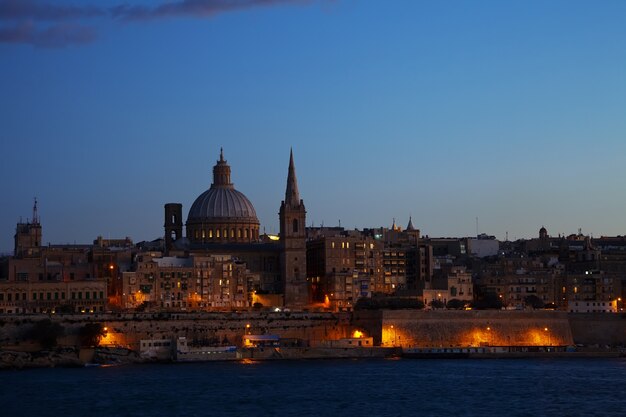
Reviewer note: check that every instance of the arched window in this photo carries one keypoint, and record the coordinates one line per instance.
(232, 233)
(295, 225)
(239, 233)
(217, 232)
(245, 233)
(210, 233)
(203, 234)
(225, 234)
(196, 234)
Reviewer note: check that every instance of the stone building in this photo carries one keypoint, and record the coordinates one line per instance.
(194, 283)
(222, 221)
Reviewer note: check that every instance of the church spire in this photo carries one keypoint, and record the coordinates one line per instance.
(410, 225)
(292, 196)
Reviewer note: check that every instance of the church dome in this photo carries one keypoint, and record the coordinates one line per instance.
(221, 213)
(223, 203)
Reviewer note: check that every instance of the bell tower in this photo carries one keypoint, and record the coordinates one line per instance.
(173, 224)
(293, 240)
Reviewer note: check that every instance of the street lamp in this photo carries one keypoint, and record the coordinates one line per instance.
(545, 329)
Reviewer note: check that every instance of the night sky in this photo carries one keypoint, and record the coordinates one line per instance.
(510, 111)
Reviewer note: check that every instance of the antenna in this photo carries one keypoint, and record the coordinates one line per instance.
(476, 226)
(507, 236)
(35, 217)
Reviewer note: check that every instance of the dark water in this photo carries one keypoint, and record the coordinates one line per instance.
(556, 387)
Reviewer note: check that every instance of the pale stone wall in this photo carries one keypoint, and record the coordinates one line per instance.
(598, 329)
(445, 328)
(210, 328)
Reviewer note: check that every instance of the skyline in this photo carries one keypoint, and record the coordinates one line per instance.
(444, 112)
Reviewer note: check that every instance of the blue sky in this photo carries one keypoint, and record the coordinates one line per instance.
(512, 112)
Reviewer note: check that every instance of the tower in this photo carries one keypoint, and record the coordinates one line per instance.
(173, 224)
(28, 235)
(293, 240)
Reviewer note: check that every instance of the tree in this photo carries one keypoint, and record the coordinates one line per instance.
(455, 304)
(388, 303)
(64, 309)
(488, 301)
(90, 334)
(533, 301)
(436, 304)
(45, 332)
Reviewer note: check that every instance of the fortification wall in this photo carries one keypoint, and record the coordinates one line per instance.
(598, 328)
(128, 329)
(445, 328)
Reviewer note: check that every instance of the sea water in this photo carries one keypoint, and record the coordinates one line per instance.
(401, 387)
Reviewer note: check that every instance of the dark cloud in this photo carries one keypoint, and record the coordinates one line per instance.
(37, 10)
(26, 15)
(197, 8)
(55, 36)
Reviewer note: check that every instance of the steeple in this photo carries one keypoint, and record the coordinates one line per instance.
(221, 173)
(410, 225)
(292, 196)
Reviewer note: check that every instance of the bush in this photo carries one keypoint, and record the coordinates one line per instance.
(388, 303)
(455, 304)
(488, 301)
(90, 334)
(45, 332)
(533, 301)
(436, 304)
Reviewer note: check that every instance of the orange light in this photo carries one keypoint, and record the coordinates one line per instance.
(357, 334)
(111, 266)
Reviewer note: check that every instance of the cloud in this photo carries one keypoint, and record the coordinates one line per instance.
(195, 8)
(55, 36)
(36, 10)
(26, 17)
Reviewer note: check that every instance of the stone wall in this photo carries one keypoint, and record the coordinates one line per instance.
(208, 328)
(445, 328)
(598, 329)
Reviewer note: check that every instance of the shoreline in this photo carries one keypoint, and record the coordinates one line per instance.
(14, 360)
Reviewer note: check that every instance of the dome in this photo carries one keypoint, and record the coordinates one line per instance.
(222, 203)
(222, 214)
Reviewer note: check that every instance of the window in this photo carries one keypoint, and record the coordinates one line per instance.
(295, 225)
(211, 234)
(232, 233)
